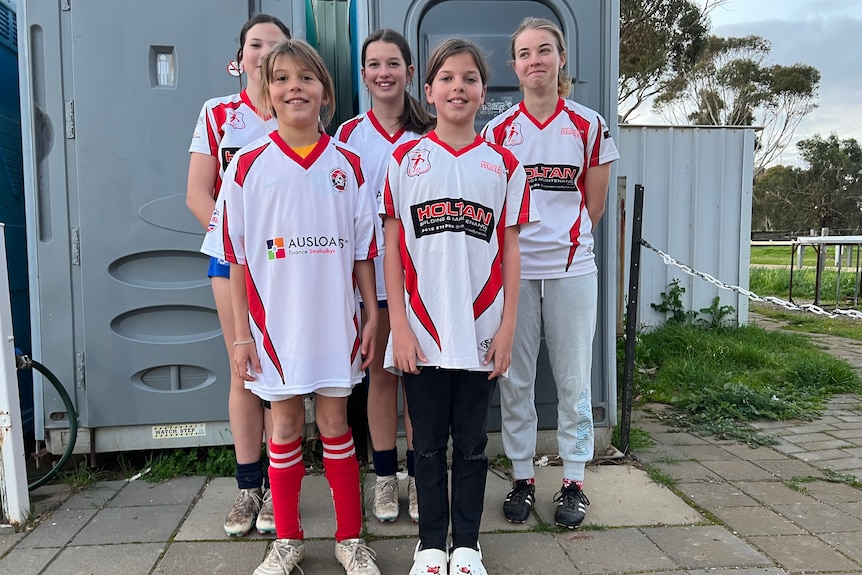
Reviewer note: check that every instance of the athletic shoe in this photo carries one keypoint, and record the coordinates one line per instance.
(413, 499)
(571, 506)
(283, 556)
(465, 560)
(429, 562)
(266, 517)
(356, 557)
(241, 516)
(519, 501)
(386, 498)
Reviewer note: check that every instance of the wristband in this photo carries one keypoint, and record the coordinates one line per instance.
(246, 342)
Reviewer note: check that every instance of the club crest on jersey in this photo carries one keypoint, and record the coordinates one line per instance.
(213, 221)
(234, 120)
(275, 249)
(338, 179)
(417, 162)
(514, 137)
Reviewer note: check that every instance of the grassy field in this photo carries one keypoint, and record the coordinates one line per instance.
(780, 256)
(811, 323)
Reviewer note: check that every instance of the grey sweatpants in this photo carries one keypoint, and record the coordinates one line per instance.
(567, 307)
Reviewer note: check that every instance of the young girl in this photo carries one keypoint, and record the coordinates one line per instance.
(395, 117)
(453, 204)
(566, 149)
(225, 125)
(296, 223)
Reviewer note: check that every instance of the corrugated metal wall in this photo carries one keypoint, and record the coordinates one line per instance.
(697, 208)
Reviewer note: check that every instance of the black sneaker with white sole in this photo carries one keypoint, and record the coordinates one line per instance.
(571, 506)
(519, 501)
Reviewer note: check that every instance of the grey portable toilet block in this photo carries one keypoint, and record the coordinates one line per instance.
(122, 310)
(591, 28)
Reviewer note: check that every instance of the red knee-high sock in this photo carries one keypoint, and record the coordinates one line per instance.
(286, 471)
(342, 472)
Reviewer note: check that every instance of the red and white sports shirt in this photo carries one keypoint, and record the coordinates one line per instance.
(556, 155)
(297, 224)
(365, 133)
(452, 208)
(224, 126)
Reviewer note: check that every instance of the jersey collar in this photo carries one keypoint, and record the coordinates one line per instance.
(476, 142)
(308, 160)
(538, 124)
(381, 130)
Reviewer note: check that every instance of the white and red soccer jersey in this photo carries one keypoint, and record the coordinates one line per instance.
(297, 224)
(452, 208)
(224, 126)
(556, 155)
(365, 133)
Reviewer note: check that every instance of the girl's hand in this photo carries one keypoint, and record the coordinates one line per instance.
(368, 338)
(405, 350)
(245, 356)
(500, 352)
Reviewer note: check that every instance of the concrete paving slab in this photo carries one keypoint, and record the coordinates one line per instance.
(522, 554)
(212, 558)
(786, 447)
(797, 553)
(839, 464)
(393, 555)
(614, 551)
(688, 471)
(58, 529)
(847, 433)
(129, 559)
(754, 454)
(757, 571)
(706, 453)
(660, 453)
(854, 509)
(813, 427)
(627, 497)
(846, 543)
(180, 491)
(831, 492)
(94, 496)
(705, 547)
(820, 518)
(27, 561)
(131, 525)
(854, 452)
(772, 493)
(801, 438)
(716, 495)
(316, 509)
(739, 471)
(747, 521)
(8, 538)
(675, 439)
(786, 469)
(206, 519)
(48, 497)
(824, 445)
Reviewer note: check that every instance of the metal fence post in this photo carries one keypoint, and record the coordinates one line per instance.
(632, 319)
(14, 497)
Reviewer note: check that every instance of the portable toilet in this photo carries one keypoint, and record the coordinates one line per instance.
(591, 28)
(122, 310)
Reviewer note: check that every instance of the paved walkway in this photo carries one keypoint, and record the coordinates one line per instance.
(733, 509)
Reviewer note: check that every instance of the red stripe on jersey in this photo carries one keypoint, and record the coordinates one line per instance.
(399, 154)
(594, 155)
(542, 125)
(347, 129)
(373, 250)
(583, 126)
(258, 316)
(229, 252)
(244, 97)
(244, 163)
(382, 131)
(308, 160)
(357, 341)
(354, 163)
(478, 141)
(411, 285)
(492, 287)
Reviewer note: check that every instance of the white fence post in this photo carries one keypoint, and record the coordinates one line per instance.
(14, 497)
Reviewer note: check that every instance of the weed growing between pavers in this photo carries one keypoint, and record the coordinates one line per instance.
(829, 475)
(82, 476)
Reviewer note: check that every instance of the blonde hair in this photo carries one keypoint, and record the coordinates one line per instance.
(306, 57)
(564, 81)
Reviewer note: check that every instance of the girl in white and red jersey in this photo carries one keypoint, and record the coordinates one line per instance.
(298, 227)
(453, 205)
(395, 117)
(566, 150)
(225, 125)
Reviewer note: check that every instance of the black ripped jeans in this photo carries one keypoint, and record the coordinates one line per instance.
(441, 401)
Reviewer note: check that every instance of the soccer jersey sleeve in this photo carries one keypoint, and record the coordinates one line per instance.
(366, 225)
(206, 137)
(603, 149)
(519, 201)
(225, 238)
(389, 201)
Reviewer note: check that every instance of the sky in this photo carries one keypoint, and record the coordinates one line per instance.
(826, 34)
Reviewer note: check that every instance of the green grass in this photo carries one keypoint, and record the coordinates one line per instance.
(810, 323)
(718, 379)
(780, 255)
(776, 282)
(209, 461)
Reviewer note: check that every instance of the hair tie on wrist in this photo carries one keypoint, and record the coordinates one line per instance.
(246, 342)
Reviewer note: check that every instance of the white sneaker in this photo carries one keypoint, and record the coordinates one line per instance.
(356, 557)
(266, 517)
(429, 562)
(413, 499)
(467, 561)
(386, 498)
(241, 516)
(283, 556)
